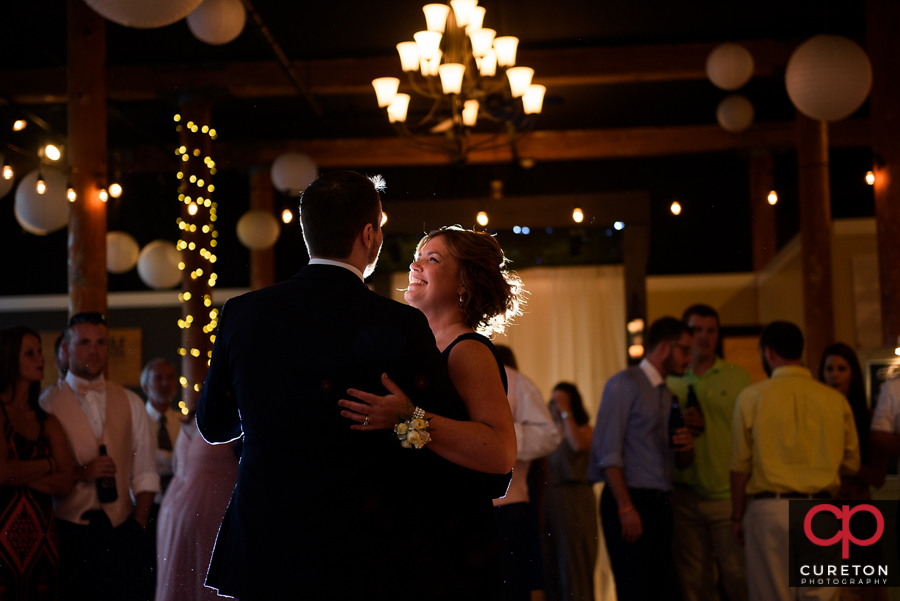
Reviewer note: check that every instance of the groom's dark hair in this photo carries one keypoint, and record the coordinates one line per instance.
(335, 208)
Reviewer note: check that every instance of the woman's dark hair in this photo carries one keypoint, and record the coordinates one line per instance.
(492, 295)
(856, 396)
(578, 412)
(10, 348)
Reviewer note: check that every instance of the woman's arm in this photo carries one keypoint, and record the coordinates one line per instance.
(61, 481)
(16, 472)
(486, 443)
(578, 437)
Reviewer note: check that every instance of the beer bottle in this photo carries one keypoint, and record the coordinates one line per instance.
(676, 420)
(693, 403)
(106, 487)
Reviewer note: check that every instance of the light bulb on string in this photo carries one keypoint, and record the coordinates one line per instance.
(104, 195)
(675, 208)
(70, 193)
(115, 190)
(192, 209)
(577, 215)
(7, 172)
(52, 152)
(20, 124)
(772, 198)
(41, 187)
(482, 218)
(870, 178)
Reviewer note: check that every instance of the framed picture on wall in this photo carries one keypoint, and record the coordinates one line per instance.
(878, 371)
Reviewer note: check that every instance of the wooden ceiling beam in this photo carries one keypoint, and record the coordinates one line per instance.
(553, 68)
(546, 146)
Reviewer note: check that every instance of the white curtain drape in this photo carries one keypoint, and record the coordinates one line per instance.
(573, 330)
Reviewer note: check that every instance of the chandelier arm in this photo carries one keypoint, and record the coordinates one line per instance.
(417, 142)
(428, 117)
(417, 88)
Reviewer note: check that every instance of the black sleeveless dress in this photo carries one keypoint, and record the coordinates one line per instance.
(29, 548)
(474, 540)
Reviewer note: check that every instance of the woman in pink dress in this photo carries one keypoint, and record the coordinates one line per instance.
(190, 515)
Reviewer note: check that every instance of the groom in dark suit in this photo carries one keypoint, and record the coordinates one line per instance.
(320, 511)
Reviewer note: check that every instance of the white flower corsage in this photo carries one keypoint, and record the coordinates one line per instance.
(413, 433)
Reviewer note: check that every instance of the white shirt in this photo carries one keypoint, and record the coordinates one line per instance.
(164, 459)
(536, 434)
(887, 412)
(652, 374)
(347, 266)
(143, 465)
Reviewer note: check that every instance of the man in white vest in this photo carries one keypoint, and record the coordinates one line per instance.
(102, 546)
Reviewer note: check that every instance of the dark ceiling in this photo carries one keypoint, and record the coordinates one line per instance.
(711, 235)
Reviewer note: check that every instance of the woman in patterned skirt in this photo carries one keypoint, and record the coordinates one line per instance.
(37, 464)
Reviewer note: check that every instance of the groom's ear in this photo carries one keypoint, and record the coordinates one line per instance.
(367, 236)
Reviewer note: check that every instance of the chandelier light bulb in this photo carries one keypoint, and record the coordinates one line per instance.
(20, 124)
(772, 197)
(482, 218)
(7, 172)
(870, 178)
(428, 43)
(463, 10)
(482, 41)
(488, 66)
(506, 50)
(436, 16)
(431, 68)
(409, 56)
(476, 18)
(451, 77)
(398, 108)
(287, 216)
(577, 215)
(470, 113)
(675, 208)
(385, 90)
(52, 152)
(104, 195)
(384, 218)
(70, 194)
(41, 187)
(519, 80)
(115, 190)
(533, 99)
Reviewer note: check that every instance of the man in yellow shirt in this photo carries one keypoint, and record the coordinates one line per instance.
(793, 438)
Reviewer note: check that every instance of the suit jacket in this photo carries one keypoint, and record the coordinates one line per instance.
(319, 508)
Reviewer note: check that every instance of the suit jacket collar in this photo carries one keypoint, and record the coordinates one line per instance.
(330, 273)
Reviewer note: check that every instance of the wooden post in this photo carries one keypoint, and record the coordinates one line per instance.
(197, 245)
(262, 262)
(86, 151)
(815, 237)
(883, 20)
(762, 214)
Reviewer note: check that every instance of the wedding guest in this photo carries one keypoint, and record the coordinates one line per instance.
(536, 437)
(701, 498)
(102, 545)
(569, 502)
(635, 453)
(793, 438)
(35, 464)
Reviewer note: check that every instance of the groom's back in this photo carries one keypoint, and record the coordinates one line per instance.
(312, 493)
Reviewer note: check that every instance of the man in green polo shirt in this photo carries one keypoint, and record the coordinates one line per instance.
(701, 499)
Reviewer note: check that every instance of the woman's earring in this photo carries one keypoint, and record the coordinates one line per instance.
(460, 301)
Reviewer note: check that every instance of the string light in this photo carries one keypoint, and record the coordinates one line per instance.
(675, 208)
(870, 178)
(577, 215)
(52, 152)
(772, 197)
(619, 225)
(40, 186)
(482, 218)
(7, 172)
(20, 124)
(104, 196)
(115, 190)
(70, 193)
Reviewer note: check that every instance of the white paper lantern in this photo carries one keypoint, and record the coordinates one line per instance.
(217, 22)
(122, 252)
(735, 113)
(258, 230)
(292, 172)
(158, 265)
(42, 213)
(828, 77)
(143, 14)
(729, 66)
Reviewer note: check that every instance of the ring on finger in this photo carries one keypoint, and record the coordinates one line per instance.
(366, 422)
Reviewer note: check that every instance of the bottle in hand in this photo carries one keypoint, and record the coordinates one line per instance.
(693, 403)
(676, 420)
(106, 487)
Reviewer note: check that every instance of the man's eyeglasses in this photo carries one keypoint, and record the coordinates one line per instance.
(94, 318)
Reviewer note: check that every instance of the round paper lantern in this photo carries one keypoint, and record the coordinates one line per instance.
(158, 265)
(143, 14)
(122, 252)
(735, 113)
(729, 66)
(828, 77)
(42, 213)
(258, 230)
(217, 22)
(292, 172)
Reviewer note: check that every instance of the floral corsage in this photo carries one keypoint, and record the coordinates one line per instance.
(413, 433)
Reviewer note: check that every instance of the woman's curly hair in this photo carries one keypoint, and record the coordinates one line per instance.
(492, 294)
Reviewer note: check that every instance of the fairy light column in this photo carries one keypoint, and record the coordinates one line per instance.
(197, 245)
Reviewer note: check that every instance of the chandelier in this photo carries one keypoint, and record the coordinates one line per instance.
(459, 66)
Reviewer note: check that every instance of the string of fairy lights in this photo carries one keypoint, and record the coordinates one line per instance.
(198, 235)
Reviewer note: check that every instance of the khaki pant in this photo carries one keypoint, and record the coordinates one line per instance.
(704, 546)
(766, 533)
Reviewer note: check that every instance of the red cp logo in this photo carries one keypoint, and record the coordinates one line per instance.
(844, 514)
